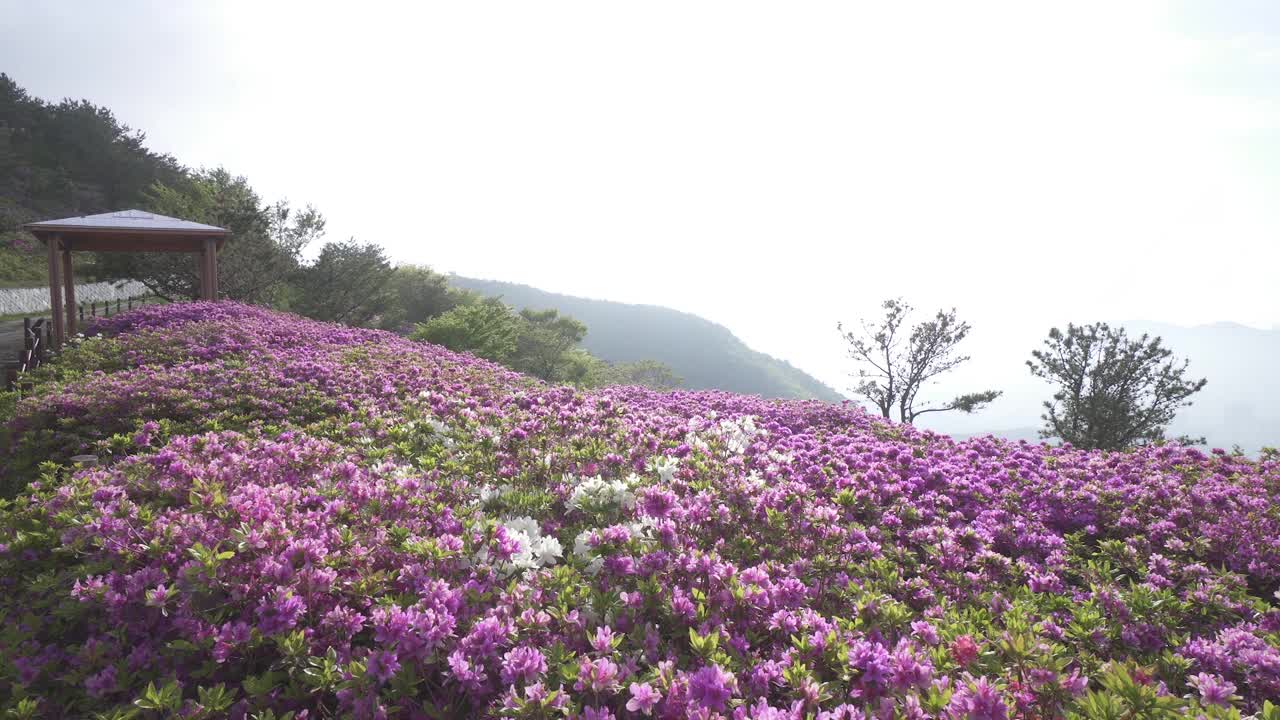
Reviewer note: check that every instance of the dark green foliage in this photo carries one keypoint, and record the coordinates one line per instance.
(65, 159)
(895, 362)
(705, 355)
(258, 258)
(542, 343)
(1113, 392)
(75, 158)
(646, 373)
(349, 282)
(545, 338)
(72, 157)
(418, 294)
(487, 328)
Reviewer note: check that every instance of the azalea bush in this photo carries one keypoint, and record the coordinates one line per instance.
(290, 519)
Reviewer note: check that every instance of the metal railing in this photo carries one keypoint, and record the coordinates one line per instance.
(37, 335)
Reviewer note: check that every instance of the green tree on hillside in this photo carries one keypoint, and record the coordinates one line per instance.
(895, 361)
(419, 294)
(349, 283)
(542, 343)
(258, 258)
(486, 328)
(72, 157)
(545, 338)
(1113, 392)
(645, 373)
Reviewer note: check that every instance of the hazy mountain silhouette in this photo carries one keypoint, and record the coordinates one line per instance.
(704, 354)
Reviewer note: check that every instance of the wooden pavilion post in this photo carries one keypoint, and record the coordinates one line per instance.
(210, 257)
(69, 281)
(54, 243)
(202, 270)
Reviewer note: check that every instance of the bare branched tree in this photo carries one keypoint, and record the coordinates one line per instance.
(895, 361)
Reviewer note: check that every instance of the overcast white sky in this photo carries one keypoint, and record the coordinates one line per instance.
(775, 167)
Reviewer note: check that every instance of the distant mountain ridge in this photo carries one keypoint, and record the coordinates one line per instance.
(706, 355)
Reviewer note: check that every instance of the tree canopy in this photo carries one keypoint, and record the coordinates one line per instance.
(419, 294)
(1113, 392)
(542, 343)
(486, 328)
(259, 257)
(348, 283)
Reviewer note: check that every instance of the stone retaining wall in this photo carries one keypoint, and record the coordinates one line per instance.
(14, 301)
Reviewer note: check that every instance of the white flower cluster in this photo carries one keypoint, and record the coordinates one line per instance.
(488, 493)
(780, 457)
(583, 551)
(536, 550)
(665, 467)
(594, 493)
(437, 427)
(737, 435)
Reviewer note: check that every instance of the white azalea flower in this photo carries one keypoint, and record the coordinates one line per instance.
(536, 550)
(582, 544)
(524, 524)
(595, 492)
(549, 551)
(665, 467)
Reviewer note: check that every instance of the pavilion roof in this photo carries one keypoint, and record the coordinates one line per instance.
(128, 231)
(125, 221)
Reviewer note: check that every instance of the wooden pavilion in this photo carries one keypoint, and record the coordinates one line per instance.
(124, 231)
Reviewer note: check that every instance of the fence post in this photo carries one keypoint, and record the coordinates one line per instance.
(81, 307)
(27, 340)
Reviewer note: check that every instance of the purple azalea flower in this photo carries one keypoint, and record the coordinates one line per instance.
(711, 687)
(643, 698)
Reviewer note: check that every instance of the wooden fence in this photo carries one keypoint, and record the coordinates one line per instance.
(91, 310)
(37, 334)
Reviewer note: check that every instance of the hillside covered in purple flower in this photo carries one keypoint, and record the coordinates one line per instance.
(292, 519)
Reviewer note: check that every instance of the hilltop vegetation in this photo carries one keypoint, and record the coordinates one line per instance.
(62, 159)
(297, 516)
(74, 158)
(705, 355)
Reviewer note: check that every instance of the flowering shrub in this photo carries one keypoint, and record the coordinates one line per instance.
(294, 519)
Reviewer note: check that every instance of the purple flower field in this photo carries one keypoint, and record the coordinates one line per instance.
(295, 519)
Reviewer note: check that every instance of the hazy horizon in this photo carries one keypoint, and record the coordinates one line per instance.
(775, 169)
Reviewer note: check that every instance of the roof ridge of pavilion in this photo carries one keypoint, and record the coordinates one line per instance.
(124, 221)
